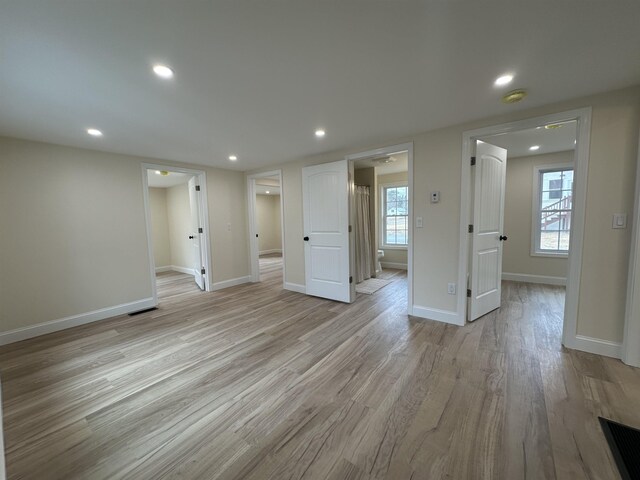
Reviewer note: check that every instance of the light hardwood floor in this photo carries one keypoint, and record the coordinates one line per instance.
(254, 382)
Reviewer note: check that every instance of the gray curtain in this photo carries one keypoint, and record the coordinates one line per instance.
(364, 264)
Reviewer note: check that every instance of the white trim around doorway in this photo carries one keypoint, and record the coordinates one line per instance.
(570, 337)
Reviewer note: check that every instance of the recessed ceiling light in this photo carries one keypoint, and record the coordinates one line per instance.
(534, 147)
(268, 191)
(163, 71)
(94, 132)
(158, 172)
(233, 158)
(503, 80)
(320, 133)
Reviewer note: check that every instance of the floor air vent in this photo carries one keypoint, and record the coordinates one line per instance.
(625, 445)
(143, 311)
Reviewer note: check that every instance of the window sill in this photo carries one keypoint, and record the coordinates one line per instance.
(550, 254)
(394, 247)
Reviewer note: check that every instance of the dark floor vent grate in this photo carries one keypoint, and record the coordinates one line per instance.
(143, 311)
(625, 445)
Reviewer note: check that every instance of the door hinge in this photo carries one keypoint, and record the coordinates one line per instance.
(197, 188)
(349, 228)
(470, 228)
(473, 161)
(200, 230)
(350, 279)
(202, 271)
(469, 292)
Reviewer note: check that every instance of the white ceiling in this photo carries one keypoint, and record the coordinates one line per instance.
(171, 180)
(256, 79)
(268, 186)
(265, 190)
(549, 140)
(400, 163)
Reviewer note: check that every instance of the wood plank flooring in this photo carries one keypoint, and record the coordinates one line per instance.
(254, 382)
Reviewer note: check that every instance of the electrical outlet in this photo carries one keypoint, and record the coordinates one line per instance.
(451, 288)
(228, 227)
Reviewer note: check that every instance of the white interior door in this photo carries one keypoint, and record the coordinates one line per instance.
(325, 200)
(196, 232)
(487, 236)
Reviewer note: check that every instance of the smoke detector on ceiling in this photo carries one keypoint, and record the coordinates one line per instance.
(514, 96)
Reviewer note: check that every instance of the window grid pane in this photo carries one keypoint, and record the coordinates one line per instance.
(395, 222)
(556, 202)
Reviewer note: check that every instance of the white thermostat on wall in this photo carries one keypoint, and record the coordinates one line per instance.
(435, 197)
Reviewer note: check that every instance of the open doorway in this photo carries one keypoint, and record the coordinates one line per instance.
(266, 226)
(525, 197)
(175, 202)
(533, 242)
(381, 218)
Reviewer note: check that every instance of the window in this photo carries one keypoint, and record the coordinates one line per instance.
(395, 222)
(553, 207)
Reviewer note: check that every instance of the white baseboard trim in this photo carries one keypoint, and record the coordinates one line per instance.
(295, 287)
(73, 321)
(543, 279)
(167, 268)
(230, 283)
(398, 266)
(446, 316)
(273, 250)
(597, 346)
(188, 271)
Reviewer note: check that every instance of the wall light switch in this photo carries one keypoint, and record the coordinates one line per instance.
(418, 222)
(619, 220)
(435, 197)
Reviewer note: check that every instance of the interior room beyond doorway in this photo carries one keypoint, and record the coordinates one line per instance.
(174, 232)
(268, 226)
(535, 222)
(381, 204)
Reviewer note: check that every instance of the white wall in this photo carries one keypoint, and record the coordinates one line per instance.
(437, 166)
(518, 221)
(180, 226)
(391, 255)
(269, 223)
(73, 231)
(160, 226)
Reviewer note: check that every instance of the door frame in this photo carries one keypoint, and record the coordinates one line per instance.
(205, 243)
(582, 116)
(254, 250)
(408, 147)
(630, 346)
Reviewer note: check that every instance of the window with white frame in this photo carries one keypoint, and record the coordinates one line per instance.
(553, 208)
(395, 220)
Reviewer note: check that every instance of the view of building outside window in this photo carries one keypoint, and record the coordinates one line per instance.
(556, 202)
(395, 221)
